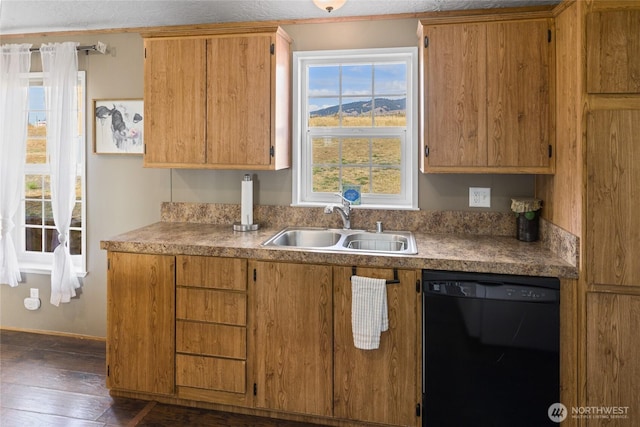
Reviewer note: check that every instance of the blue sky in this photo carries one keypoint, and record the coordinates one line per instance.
(359, 82)
(36, 104)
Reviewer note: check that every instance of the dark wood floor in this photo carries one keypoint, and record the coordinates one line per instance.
(52, 381)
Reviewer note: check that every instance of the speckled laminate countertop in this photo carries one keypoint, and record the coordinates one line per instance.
(455, 252)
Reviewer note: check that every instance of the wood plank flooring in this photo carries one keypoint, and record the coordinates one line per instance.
(52, 381)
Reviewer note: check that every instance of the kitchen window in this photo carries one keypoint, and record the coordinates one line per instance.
(36, 236)
(355, 123)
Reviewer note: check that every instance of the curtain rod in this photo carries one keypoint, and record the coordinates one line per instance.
(98, 47)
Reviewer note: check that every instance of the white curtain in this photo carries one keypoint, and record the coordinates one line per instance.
(15, 62)
(60, 78)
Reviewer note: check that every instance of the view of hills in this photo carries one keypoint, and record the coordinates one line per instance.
(382, 106)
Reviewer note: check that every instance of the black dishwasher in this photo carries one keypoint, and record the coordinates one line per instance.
(490, 349)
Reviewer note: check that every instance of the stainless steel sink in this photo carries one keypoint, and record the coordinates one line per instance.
(348, 241)
(306, 238)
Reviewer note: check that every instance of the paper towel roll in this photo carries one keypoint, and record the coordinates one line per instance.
(246, 206)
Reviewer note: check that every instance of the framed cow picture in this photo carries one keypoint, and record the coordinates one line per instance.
(118, 126)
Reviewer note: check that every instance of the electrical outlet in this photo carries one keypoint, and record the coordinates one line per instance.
(34, 293)
(479, 197)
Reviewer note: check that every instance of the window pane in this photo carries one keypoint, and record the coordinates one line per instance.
(326, 179)
(386, 151)
(37, 127)
(51, 239)
(390, 79)
(325, 150)
(324, 112)
(75, 243)
(355, 151)
(324, 80)
(357, 112)
(76, 215)
(33, 212)
(33, 239)
(358, 176)
(390, 112)
(386, 180)
(33, 186)
(48, 213)
(357, 79)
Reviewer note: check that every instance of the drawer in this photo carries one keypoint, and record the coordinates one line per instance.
(211, 272)
(211, 373)
(207, 305)
(211, 339)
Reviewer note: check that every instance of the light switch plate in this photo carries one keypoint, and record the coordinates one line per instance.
(479, 197)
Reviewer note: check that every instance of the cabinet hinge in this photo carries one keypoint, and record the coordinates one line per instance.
(426, 41)
(145, 53)
(418, 286)
(255, 275)
(108, 264)
(144, 149)
(418, 410)
(426, 151)
(549, 35)
(108, 370)
(272, 152)
(272, 49)
(550, 151)
(255, 389)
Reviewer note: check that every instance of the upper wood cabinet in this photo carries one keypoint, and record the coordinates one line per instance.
(381, 385)
(140, 323)
(486, 96)
(218, 101)
(613, 51)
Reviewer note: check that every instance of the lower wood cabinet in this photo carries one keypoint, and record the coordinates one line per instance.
(293, 337)
(140, 323)
(211, 329)
(269, 337)
(612, 349)
(381, 385)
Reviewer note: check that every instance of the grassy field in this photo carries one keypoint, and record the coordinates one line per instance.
(352, 156)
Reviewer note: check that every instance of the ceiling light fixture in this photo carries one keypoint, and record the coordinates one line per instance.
(329, 5)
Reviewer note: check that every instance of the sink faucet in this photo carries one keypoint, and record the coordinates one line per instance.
(344, 210)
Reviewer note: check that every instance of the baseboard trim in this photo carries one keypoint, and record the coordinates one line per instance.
(53, 333)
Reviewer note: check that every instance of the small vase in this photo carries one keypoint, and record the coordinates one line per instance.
(528, 228)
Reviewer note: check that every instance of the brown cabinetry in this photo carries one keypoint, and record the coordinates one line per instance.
(218, 101)
(612, 356)
(613, 202)
(140, 323)
(613, 51)
(486, 95)
(211, 329)
(293, 335)
(381, 385)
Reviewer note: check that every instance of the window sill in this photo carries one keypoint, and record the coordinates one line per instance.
(36, 268)
(367, 206)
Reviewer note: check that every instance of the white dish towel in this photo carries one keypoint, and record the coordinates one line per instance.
(369, 315)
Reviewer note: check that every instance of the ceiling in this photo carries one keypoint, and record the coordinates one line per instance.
(37, 16)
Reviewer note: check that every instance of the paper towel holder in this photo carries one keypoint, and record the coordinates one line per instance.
(245, 227)
(242, 225)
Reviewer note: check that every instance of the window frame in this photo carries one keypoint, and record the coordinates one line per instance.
(302, 191)
(42, 262)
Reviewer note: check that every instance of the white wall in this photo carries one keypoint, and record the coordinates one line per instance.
(122, 195)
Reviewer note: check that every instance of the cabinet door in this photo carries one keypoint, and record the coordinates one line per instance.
(382, 385)
(140, 322)
(239, 100)
(455, 95)
(293, 337)
(613, 51)
(518, 97)
(174, 101)
(613, 197)
(613, 345)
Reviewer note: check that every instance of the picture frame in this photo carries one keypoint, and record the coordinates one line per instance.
(118, 126)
